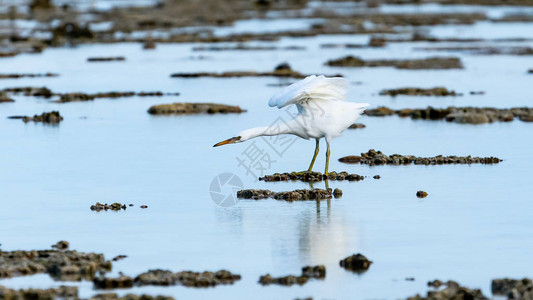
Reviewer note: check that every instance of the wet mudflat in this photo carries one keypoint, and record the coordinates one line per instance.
(113, 151)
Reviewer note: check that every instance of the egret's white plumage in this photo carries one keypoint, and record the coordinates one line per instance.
(322, 112)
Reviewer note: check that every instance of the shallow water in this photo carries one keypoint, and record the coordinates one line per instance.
(474, 226)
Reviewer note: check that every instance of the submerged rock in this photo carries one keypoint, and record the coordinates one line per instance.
(25, 75)
(310, 176)
(104, 59)
(76, 97)
(193, 108)
(413, 64)
(461, 115)
(282, 70)
(113, 296)
(31, 91)
(62, 292)
(309, 272)
(52, 117)
(521, 289)
(357, 263)
(186, 278)
(453, 291)
(411, 91)
(64, 265)
(296, 195)
(373, 157)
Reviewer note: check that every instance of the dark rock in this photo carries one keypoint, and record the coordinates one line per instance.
(282, 70)
(193, 108)
(105, 59)
(62, 292)
(357, 126)
(411, 91)
(26, 75)
(373, 157)
(119, 257)
(310, 176)
(514, 289)
(59, 264)
(337, 193)
(144, 206)
(52, 117)
(316, 272)
(115, 206)
(113, 296)
(357, 263)
(186, 278)
(149, 45)
(61, 245)
(413, 64)
(31, 91)
(113, 283)
(377, 177)
(296, 195)
(421, 194)
(435, 283)
(453, 291)
(4, 98)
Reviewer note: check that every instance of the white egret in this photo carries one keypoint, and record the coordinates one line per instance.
(322, 113)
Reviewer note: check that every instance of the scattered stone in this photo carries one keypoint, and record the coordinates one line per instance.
(513, 289)
(357, 126)
(9, 54)
(25, 75)
(310, 176)
(357, 263)
(63, 265)
(61, 245)
(62, 292)
(410, 279)
(113, 283)
(411, 91)
(316, 272)
(76, 97)
(452, 291)
(296, 195)
(41, 4)
(377, 177)
(149, 45)
(477, 93)
(413, 64)
(282, 70)
(337, 193)
(193, 108)
(113, 296)
(115, 206)
(186, 278)
(373, 157)
(461, 115)
(144, 206)
(104, 59)
(530, 71)
(421, 194)
(52, 117)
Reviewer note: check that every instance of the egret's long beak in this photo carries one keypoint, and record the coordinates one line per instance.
(233, 140)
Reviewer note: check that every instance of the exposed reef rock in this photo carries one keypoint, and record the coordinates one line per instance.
(356, 263)
(309, 272)
(453, 291)
(26, 75)
(513, 289)
(296, 195)
(461, 115)
(310, 176)
(373, 157)
(64, 265)
(105, 59)
(115, 206)
(413, 64)
(411, 91)
(52, 117)
(186, 278)
(193, 108)
(62, 292)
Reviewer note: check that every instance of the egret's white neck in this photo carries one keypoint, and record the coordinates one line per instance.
(276, 129)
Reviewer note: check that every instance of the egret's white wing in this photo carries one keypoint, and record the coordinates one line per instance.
(311, 88)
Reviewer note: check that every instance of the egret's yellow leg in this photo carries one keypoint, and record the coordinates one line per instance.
(327, 159)
(314, 157)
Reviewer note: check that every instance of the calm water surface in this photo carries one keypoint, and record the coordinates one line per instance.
(474, 226)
